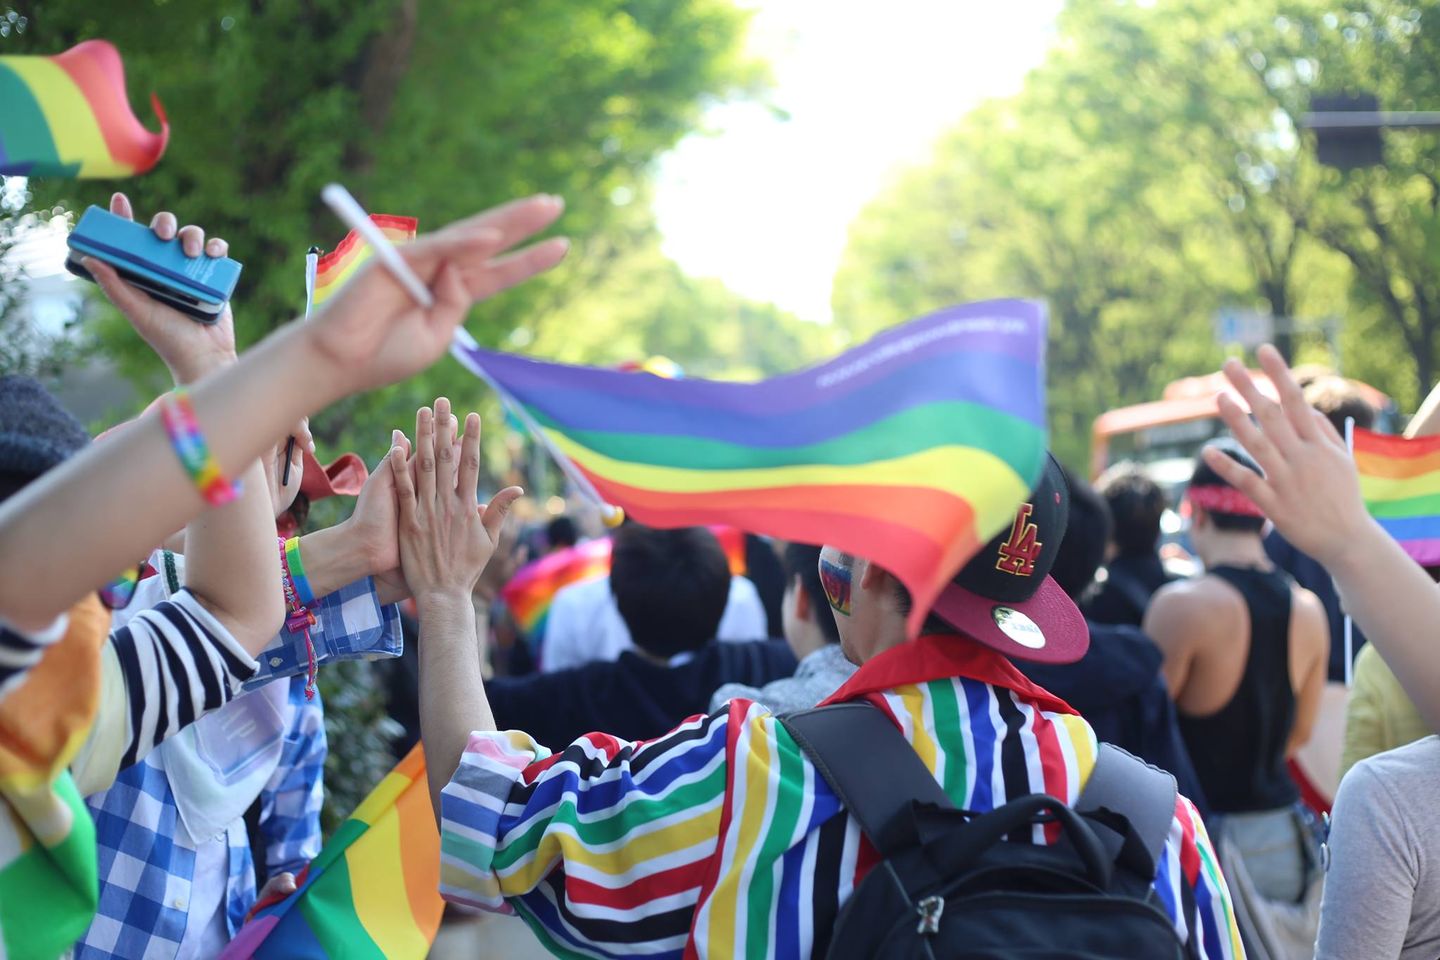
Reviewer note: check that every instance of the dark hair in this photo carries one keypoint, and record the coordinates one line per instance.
(1339, 399)
(671, 586)
(1136, 505)
(906, 603)
(1087, 533)
(12, 483)
(803, 561)
(1206, 477)
(560, 532)
(299, 511)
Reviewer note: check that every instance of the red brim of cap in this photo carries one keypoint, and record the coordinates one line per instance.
(343, 477)
(1047, 628)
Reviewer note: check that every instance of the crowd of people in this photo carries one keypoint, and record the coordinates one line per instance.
(649, 774)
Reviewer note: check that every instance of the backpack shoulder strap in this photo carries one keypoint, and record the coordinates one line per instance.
(1143, 794)
(868, 763)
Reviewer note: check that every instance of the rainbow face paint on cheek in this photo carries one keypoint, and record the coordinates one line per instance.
(836, 581)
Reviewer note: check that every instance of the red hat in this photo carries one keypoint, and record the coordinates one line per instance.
(1005, 598)
(344, 477)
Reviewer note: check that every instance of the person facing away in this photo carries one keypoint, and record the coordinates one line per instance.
(721, 839)
(1339, 400)
(671, 587)
(1133, 569)
(813, 637)
(1117, 686)
(586, 623)
(1245, 655)
(560, 534)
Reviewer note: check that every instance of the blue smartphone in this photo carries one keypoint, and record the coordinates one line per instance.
(197, 286)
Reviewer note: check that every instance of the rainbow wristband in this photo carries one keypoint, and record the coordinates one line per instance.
(297, 572)
(178, 415)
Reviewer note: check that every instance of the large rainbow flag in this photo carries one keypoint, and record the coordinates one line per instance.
(1400, 481)
(531, 590)
(69, 116)
(912, 450)
(372, 893)
(340, 264)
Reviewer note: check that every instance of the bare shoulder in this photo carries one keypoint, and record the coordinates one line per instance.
(1193, 608)
(1193, 595)
(1310, 617)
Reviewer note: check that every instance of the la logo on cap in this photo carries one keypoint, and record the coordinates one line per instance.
(1019, 553)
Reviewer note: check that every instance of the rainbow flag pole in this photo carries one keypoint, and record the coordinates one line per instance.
(460, 348)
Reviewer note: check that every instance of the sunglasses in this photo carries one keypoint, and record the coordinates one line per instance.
(117, 594)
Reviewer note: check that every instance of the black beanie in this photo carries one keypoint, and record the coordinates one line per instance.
(36, 433)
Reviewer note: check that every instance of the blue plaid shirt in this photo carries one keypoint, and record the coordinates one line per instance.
(147, 872)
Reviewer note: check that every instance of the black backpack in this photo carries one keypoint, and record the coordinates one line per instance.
(949, 885)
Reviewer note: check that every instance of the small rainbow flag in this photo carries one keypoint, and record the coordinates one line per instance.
(340, 264)
(1400, 481)
(912, 450)
(530, 591)
(69, 116)
(373, 892)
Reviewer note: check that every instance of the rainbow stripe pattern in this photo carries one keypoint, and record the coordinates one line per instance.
(69, 116)
(1400, 481)
(49, 880)
(701, 844)
(340, 264)
(372, 893)
(530, 592)
(912, 449)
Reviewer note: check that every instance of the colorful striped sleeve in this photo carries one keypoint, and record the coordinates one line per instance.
(1193, 891)
(603, 848)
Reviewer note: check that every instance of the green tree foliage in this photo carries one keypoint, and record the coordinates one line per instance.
(433, 110)
(1152, 172)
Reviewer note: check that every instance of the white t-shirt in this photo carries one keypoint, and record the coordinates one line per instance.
(585, 623)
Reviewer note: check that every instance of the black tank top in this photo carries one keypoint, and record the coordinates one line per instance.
(1239, 751)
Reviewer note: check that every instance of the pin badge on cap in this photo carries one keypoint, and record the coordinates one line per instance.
(1018, 627)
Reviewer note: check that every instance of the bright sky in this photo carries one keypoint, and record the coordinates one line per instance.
(764, 203)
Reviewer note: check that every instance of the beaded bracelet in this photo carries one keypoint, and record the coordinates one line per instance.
(178, 415)
(297, 571)
(300, 618)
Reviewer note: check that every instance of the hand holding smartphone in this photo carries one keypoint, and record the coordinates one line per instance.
(196, 286)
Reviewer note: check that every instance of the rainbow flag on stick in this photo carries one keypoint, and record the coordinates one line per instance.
(373, 892)
(912, 450)
(1400, 481)
(531, 590)
(340, 264)
(69, 116)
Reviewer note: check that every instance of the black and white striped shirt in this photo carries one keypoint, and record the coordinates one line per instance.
(163, 670)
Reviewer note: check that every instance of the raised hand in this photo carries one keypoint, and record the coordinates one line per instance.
(1310, 490)
(445, 541)
(189, 349)
(372, 333)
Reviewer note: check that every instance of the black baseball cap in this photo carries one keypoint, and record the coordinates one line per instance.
(1005, 598)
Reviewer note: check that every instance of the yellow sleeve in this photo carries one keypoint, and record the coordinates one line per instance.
(98, 762)
(1367, 729)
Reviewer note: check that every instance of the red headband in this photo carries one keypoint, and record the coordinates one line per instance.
(1218, 499)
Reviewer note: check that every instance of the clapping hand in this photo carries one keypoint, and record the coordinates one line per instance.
(445, 541)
